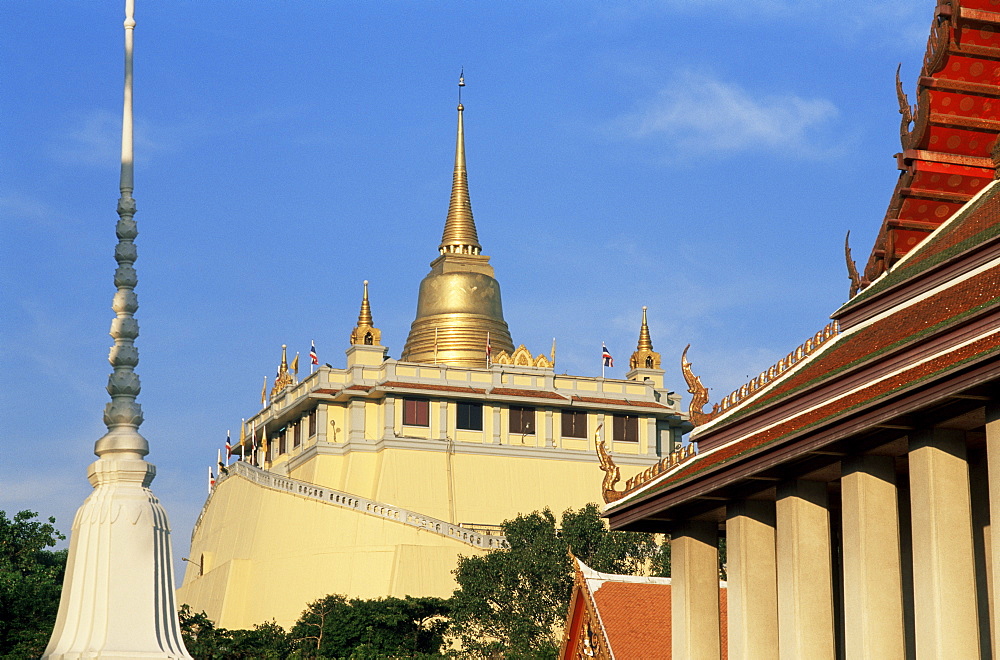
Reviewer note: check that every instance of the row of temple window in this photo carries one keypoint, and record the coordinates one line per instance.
(521, 420)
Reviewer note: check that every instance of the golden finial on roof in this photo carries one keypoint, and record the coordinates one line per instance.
(460, 228)
(365, 332)
(644, 356)
(284, 377)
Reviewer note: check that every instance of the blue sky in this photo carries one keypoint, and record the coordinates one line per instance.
(702, 158)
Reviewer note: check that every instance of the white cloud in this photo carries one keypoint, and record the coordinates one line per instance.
(698, 114)
(95, 139)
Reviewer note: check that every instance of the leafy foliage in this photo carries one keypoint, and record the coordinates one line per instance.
(510, 602)
(334, 627)
(30, 583)
(204, 641)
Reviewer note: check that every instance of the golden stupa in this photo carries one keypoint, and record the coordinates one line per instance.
(458, 309)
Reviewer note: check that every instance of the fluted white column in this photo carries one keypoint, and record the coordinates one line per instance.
(118, 594)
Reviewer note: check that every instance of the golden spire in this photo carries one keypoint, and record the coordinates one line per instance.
(644, 357)
(645, 343)
(365, 332)
(365, 315)
(284, 378)
(459, 311)
(460, 228)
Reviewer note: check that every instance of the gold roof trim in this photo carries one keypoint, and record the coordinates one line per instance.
(612, 474)
(700, 393)
(521, 357)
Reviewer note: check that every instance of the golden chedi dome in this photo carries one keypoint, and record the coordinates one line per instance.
(458, 309)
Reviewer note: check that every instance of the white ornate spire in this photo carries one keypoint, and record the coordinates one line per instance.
(118, 594)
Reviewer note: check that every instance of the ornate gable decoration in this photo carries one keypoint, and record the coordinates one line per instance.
(521, 357)
(284, 377)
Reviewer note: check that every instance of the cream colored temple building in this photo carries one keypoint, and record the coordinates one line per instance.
(371, 480)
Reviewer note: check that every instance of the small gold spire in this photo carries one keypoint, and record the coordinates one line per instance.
(645, 343)
(644, 357)
(365, 333)
(460, 228)
(365, 315)
(284, 377)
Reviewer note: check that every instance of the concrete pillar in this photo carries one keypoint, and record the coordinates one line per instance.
(389, 418)
(550, 435)
(497, 421)
(356, 420)
(873, 591)
(752, 581)
(979, 492)
(944, 584)
(805, 572)
(694, 557)
(993, 470)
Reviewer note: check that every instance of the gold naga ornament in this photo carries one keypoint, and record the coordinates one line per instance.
(699, 393)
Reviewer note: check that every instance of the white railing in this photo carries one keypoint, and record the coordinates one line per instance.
(346, 500)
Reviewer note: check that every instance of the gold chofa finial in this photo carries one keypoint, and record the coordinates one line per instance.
(365, 332)
(644, 357)
(460, 228)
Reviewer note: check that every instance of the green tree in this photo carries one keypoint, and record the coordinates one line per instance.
(205, 641)
(335, 627)
(31, 578)
(510, 602)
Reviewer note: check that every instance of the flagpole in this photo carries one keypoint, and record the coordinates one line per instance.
(604, 362)
(229, 446)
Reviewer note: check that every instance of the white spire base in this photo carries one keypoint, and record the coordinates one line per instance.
(118, 594)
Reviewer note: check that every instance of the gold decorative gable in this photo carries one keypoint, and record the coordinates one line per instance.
(521, 357)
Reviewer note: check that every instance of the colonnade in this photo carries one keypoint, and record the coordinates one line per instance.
(896, 570)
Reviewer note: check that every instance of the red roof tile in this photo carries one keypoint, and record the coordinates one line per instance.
(434, 388)
(618, 402)
(755, 441)
(535, 394)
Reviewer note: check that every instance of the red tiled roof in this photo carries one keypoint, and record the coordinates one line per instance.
(906, 326)
(326, 391)
(435, 388)
(973, 226)
(618, 402)
(636, 618)
(755, 441)
(535, 394)
(358, 387)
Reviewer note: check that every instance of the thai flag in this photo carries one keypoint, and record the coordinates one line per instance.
(314, 359)
(489, 349)
(229, 447)
(211, 480)
(608, 360)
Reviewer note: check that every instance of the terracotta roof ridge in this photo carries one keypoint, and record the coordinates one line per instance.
(744, 438)
(927, 243)
(799, 363)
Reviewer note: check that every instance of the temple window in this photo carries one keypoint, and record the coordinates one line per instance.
(368, 339)
(574, 424)
(625, 428)
(522, 420)
(649, 361)
(282, 439)
(296, 438)
(469, 416)
(416, 412)
(312, 423)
